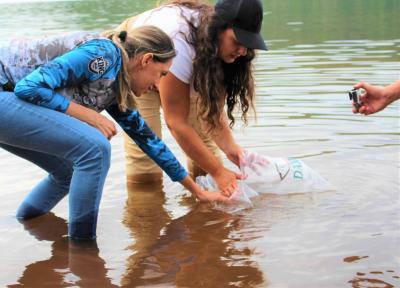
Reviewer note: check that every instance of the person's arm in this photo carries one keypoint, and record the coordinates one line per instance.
(68, 70)
(223, 137)
(377, 98)
(93, 118)
(175, 101)
(137, 129)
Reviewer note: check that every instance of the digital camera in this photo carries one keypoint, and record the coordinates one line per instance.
(354, 96)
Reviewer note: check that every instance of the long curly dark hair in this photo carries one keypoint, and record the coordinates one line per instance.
(217, 82)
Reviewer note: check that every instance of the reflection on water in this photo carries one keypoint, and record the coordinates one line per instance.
(156, 236)
(70, 263)
(363, 280)
(194, 250)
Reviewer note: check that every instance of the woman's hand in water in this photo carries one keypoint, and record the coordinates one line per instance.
(226, 180)
(207, 196)
(200, 194)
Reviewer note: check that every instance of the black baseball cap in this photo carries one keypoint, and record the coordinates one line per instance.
(246, 17)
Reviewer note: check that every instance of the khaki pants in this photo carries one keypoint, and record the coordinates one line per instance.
(139, 167)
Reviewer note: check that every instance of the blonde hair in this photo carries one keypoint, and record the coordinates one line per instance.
(145, 39)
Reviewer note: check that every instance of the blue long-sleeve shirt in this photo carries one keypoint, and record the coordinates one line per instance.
(88, 75)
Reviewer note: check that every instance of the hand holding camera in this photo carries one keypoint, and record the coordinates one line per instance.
(354, 95)
(369, 99)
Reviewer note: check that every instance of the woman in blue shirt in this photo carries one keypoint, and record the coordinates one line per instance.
(52, 117)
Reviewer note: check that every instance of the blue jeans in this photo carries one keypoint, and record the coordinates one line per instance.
(75, 154)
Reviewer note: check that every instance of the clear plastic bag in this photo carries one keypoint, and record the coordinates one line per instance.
(281, 175)
(239, 200)
(269, 175)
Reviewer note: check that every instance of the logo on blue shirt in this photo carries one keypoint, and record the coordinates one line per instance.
(98, 65)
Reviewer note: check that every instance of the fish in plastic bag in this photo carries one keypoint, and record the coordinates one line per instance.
(281, 175)
(268, 175)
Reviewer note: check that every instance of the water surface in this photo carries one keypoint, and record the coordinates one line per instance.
(156, 236)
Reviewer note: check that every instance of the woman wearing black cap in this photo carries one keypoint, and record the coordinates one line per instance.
(215, 47)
